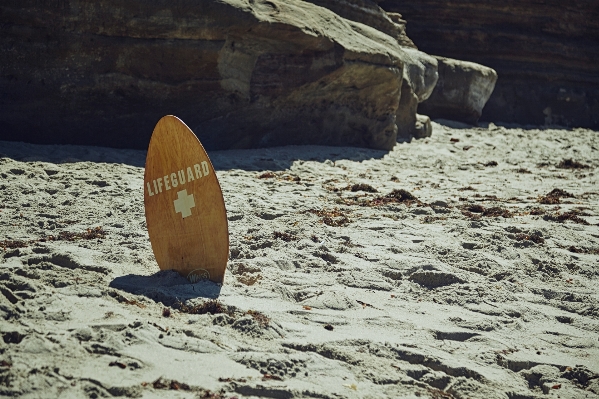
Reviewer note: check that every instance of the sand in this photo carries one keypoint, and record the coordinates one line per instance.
(471, 289)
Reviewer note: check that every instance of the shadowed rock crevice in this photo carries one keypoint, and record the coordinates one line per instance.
(545, 53)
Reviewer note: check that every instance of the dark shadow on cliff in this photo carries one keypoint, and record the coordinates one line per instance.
(272, 158)
(167, 287)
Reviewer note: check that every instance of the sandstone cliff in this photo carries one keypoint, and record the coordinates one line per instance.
(546, 53)
(240, 73)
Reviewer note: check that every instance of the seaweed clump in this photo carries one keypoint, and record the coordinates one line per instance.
(11, 244)
(362, 187)
(334, 218)
(583, 250)
(537, 239)
(573, 216)
(475, 211)
(89, 234)
(287, 237)
(212, 306)
(571, 164)
(553, 197)
(260, 318)
(400, 196)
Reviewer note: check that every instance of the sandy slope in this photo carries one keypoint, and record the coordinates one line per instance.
(329, 292)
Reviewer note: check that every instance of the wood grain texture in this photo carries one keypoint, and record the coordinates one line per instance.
(185, 210)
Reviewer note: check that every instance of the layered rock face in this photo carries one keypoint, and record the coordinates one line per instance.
(240, 73)
(546, 53)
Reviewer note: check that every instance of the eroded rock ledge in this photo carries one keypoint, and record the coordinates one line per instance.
(241, 74)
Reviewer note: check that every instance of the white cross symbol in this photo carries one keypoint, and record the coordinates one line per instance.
(184, 203)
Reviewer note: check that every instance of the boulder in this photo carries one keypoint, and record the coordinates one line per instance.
(461, 92)
(420, 78)
(240, 73)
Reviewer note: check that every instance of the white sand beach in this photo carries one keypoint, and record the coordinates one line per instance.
(339, 284)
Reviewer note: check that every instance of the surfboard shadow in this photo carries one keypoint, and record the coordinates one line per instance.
(167, 287)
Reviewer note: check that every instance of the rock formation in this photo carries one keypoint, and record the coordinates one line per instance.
(461, 92)
(545, 53)
(240, 73)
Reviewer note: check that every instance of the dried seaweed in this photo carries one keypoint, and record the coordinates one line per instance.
(362, 187)
(537, 211)
(334, 218)
(583, 250)
(123, 299)
(474, 208)
(400, 195)
(213, 306)
(260, 318)
(537, 239)
(395, 196)
(13, 244)
(496, 211)
(279, 176)
(89, 234)
(267, 175)
(523, 170)
(284, 236)
(291, 178)
(467, 188)
(571, 164)
(431, 219)
(491, 163)
(117, 364)
(162, 383)
(486, 197)
(573, 216)
(554, 196)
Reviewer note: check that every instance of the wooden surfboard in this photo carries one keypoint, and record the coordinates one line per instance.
(185, 210)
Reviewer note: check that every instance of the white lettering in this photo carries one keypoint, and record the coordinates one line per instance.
(182, 176)
(178, 178)
(205, 168)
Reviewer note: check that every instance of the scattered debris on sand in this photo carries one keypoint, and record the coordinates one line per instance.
(453, 279)
(571, 164)
(554, 196)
